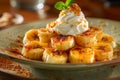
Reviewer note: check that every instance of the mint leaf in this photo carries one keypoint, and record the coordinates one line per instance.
(69, 2)
(60, 5)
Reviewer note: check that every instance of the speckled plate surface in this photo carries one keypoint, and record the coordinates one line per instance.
(11, 45)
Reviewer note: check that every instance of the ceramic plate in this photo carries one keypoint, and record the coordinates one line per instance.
(11, 43)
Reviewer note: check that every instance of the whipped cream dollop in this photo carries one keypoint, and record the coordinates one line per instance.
(71, 21)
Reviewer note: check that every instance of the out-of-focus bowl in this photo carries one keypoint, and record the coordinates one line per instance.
(7, 19)
(11, 45)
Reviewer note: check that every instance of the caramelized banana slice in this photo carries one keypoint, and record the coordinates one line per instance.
(108, 39)
(62, 42)
(86, 39)
(51, 25)
(103, 51)
(33, 50)
(45, 35)
(89, 38)
(98, 32)
(52, 56)
(81, 55)
(31, 35)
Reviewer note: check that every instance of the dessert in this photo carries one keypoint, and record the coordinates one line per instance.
(71, 21)
(68, 39)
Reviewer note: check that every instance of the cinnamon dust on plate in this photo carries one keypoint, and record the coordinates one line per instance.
(12, 67)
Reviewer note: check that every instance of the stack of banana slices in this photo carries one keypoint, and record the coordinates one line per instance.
(49, 46)
(46, 45)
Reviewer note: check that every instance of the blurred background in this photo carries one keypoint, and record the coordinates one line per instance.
(109, 9)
